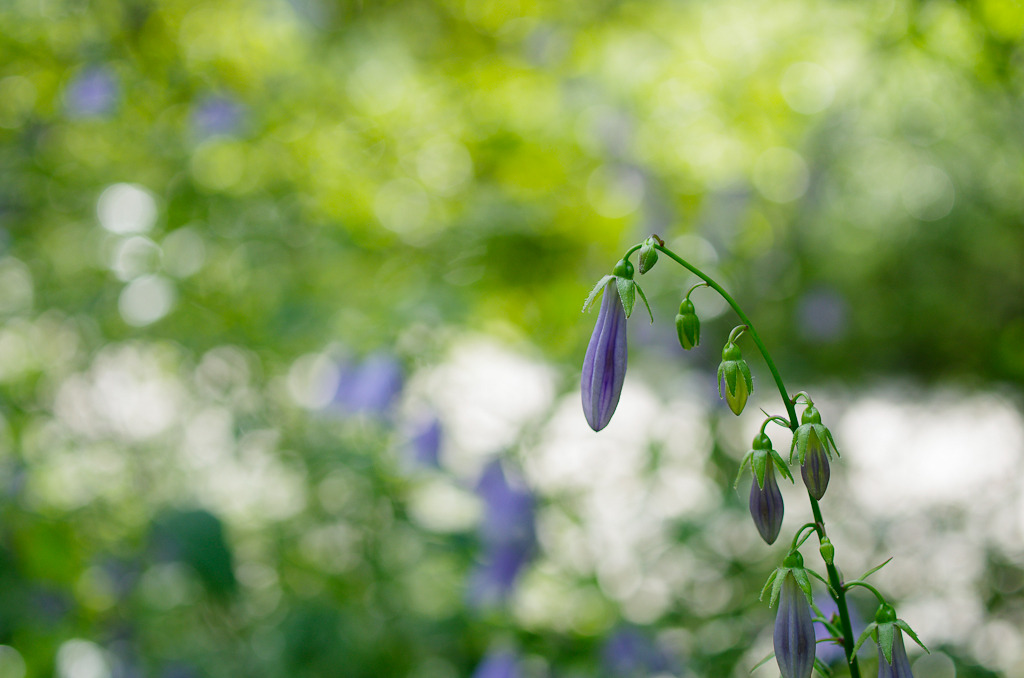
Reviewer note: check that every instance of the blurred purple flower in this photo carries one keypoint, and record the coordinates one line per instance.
(822, 315)
(498, 665)
(831, 652)
(215, 115)
(630, 652)
(604, 366)
(424, 445)
(93, 92)
(508, 534)
(370, 387)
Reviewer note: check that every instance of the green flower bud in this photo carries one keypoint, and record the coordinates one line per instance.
(648, 256)
(827, 551)
(734, 380)
(687, 325)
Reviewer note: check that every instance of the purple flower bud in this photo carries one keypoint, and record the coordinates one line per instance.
(604, 367)
(794, 631)
(766, 504)
(900, 667)
(815, 470)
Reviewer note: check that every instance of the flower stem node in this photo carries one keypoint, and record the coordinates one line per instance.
(648, 255)
(734, 381)
(687, 325)
(813, 447)
(766, 507)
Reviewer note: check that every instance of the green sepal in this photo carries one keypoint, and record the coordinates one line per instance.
(885, 636)
(745, 371)
(594, 292)
(910, 632)
(644, 297)
(768, 584)
(743, 466)
(804, 582)
(759, 466)
(868, 630)
(777, 585)
(627, 293)
(781, 465)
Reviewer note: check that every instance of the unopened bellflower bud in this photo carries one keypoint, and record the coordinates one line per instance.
(648, 256)
(766, 506)
(604, 367)
(900, 665)
(734, 381)
(794, 631)
(813, 447)
(687, 325)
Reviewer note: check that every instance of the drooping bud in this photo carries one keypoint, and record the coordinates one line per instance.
(604, 367)
(734, 381)
(794, 631)
(900, 665)
(687, 325)
(766, 507)
(648, 256)
(813, 446)
(815, 470)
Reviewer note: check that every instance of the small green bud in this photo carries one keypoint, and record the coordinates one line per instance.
(648, 256)
(793, 559)
(687, 325)
(623, 269)
(827, 551)
(734, 381)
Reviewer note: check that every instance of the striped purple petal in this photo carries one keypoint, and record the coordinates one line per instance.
(604, 367)
(794, 632)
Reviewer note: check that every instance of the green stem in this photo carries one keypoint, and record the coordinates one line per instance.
(819, 523)
(869, 587)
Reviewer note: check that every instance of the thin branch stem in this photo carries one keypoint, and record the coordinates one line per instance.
(839, 592)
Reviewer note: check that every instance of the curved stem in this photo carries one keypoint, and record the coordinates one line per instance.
(796, 537)
(833, 573)
(869, 587)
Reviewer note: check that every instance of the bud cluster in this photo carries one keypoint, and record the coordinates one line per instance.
(811, 448)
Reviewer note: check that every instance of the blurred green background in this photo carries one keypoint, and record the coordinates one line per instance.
(290, 331)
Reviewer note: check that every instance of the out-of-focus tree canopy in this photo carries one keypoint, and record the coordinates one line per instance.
(238, 236)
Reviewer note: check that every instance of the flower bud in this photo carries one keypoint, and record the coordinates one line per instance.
(899, 667)
(604, 367)
(687, 325)
(794, 631)
(734, 381)
(827, 551)
(813, 446)
(648, 256)
(815, 470)
(766, 506)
